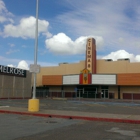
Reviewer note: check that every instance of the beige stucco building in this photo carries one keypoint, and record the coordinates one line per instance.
(93, 78)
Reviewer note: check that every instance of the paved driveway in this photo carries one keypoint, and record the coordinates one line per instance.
(84, 106)
(20, 127)
(23, 127)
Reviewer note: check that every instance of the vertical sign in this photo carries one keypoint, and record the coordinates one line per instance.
(85, 76)
(89, 54)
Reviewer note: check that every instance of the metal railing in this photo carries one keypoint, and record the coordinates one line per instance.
(81, 95)
(50, 94)
(67, 94)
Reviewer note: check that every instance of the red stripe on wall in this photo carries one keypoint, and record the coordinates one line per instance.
(81, 78)
(94, 61)
(89, 78)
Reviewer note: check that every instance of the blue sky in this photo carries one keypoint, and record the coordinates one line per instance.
(64, 26)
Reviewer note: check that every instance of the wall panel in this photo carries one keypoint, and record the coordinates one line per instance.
(70, 79)
(55, 88)
(52, 80)
(128, 79)
(1, 80)
(104, 79)
(69, 88)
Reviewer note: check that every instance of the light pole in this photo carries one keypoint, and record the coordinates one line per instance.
(33, 104)
(35, 50)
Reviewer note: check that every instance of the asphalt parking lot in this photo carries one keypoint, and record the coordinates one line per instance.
(21, 127)
(24, 127)
(76, 105)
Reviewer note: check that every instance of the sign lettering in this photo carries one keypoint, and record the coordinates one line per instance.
(89, 55)
(88, 65)
(89, 60)
(12, 71)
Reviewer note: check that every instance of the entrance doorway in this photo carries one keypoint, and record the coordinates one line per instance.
(42, 92)
(87, 91)
(104, 93)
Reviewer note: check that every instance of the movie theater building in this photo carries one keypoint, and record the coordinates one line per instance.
(92, 78)
(14, 83)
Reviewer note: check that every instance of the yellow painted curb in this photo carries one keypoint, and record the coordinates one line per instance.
(33, 105)
(54, 98)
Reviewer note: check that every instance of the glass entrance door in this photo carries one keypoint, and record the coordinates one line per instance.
(104, 93)
(88, 91)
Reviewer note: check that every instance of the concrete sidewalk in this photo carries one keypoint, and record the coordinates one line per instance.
(91, 116)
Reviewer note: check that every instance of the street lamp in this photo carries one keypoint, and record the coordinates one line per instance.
(35, 50)
(33, 104)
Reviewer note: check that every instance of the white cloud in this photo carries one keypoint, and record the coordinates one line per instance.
(11, 65)
(2, 19)
(12, 51)
(11, 44)
(62, 44)
(24, 46)
(5, 15)
(121, 54)
(121, 40)
(3, 7)
(137, 58)
(26, 28)
(5, 60)
(113, 55)
(23, 65)
(116, 21)
(17, 62)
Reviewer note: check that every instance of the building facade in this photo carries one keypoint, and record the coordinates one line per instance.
(93, 78)
(14, 83)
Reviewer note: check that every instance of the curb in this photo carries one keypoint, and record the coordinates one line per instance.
(74, 117)
(63, 99)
